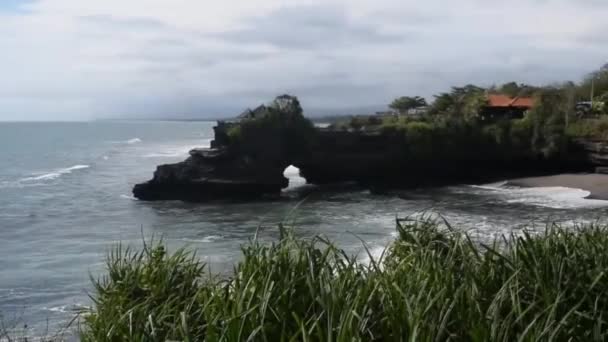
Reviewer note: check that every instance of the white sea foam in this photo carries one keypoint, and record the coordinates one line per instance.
(212, 238)
(54, 174)
(174, 151)
(206, 239)
(555, 197)
(61, 309)
(129, 197)
(549, 197)
(133, 141)
(293, 174)
(66, 308)
(376, 254)
(491, 186)
(170, 153)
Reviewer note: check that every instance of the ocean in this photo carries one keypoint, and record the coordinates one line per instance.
(65, 201)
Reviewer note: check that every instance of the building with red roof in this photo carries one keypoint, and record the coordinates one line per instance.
(501, 106)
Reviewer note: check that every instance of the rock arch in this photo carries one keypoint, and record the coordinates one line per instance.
(247, 159)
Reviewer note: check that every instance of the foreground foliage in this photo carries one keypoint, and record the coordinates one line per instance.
(433, 284)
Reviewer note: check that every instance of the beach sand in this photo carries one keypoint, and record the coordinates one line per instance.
(596, 184)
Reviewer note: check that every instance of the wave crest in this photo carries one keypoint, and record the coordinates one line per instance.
(206, 239)
(55, 174)
(555, 197)
(175, 151)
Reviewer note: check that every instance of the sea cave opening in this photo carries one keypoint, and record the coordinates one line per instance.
(293, 174)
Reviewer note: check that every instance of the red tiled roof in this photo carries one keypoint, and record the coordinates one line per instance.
(498, 100)
(526, 102)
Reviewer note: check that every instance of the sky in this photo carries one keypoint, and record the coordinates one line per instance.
(85, 59)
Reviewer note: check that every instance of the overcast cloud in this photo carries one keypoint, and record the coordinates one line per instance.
(79, 60)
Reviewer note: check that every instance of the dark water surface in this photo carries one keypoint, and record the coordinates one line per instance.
(65, 200)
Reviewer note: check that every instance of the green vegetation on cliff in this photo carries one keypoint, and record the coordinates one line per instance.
(595, 129)
(404, 103)
(433, 284)
(278, 130)
(454, 129)
(446, 139)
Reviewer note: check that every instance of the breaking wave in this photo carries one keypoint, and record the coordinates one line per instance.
(68, 308)
(555, 197)
(293, 174)
(491, 186)
(174, 151)
(54, 174)
(549, 197)
(170, 153)
(206, 239)
(133, 141)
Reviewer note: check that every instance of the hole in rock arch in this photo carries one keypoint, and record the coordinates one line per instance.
(293, 174)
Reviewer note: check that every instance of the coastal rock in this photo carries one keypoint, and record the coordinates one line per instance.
(212, 174)
(597, 151)
(248, 156)
(343, 156)
(246, 160)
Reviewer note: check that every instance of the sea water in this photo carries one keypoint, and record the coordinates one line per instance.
(65, 201)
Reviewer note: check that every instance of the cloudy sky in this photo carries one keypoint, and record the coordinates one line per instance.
(86, 59)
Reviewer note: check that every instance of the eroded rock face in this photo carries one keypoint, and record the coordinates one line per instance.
(212, 174)
(376, 160)
(597, 151)
(246, 159)
(343, 156)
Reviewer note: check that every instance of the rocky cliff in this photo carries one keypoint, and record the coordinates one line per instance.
(212, 174)
(597, 151)
(248, 157)
(382, 160)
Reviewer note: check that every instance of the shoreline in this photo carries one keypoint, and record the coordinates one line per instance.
(595, 184)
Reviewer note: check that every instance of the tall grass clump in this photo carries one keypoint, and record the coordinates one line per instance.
(434, 283)
(147, 296)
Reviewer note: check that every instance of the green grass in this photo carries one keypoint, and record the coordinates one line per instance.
(432, 284)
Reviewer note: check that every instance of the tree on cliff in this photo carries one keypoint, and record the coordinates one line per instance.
(595, 84)
(287, 104)
(443, 103)
(280, 133)
(552, 106)
(514, 89)
(461, 102)
(405, 103)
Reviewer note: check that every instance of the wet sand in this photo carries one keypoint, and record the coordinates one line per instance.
(596, 184)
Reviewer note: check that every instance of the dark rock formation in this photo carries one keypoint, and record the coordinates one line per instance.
(246, 159)
(349, 156)
(248, 156)
(377, 160)
(597, 151)
(212, 174)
